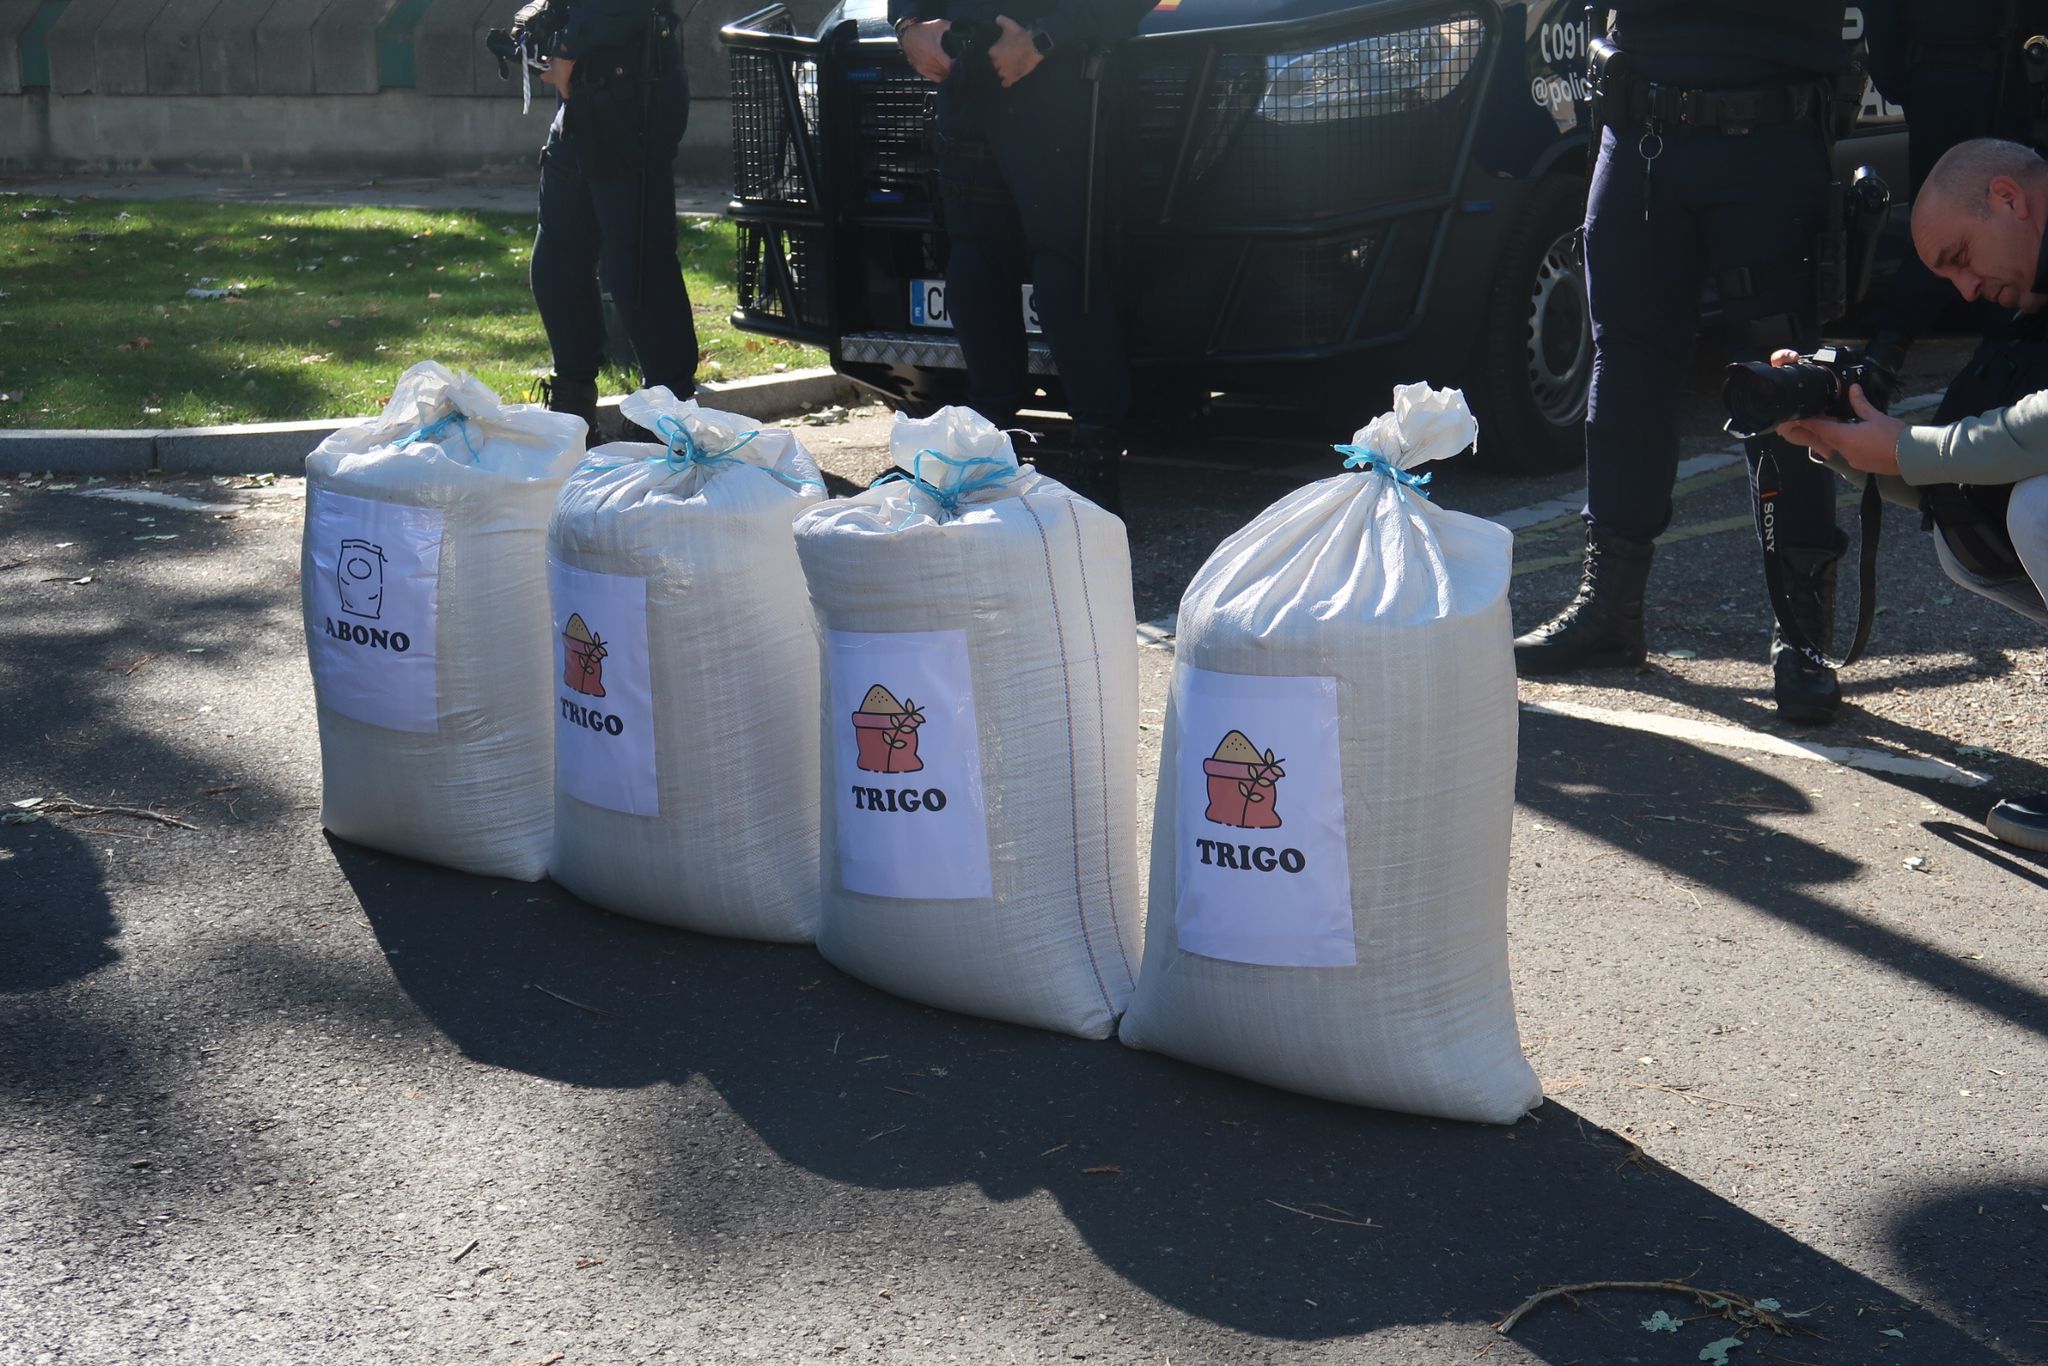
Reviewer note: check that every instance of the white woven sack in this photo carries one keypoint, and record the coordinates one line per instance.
(681, 614)
(1328, 903)
(423, 571)
(980, 734)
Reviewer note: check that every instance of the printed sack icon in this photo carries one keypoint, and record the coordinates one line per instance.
(424, 555)
(583, 669)
(360, 578)
(1350, 941)
(885, 732)
(725, 737)
(980, 811)
(1243, 784)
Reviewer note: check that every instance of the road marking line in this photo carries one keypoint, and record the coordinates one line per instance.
(1734, 737)
(152, 498)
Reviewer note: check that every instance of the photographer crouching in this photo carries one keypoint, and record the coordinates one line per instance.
(1980, 473)
(607, 190)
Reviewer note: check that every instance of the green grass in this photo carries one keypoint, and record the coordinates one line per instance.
(96, 329)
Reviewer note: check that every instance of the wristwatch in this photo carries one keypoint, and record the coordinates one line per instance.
(905, 22)
(1041, 40)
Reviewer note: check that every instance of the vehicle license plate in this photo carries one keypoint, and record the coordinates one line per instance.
(928, 306)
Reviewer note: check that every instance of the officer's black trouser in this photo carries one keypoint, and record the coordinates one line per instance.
(1013, 167)
(1721, 207)
(592, 229)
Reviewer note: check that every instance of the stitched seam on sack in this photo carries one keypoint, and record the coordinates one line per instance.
(1102, 739)
(1073, 794)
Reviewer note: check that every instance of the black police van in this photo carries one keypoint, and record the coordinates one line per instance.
(1302, 201)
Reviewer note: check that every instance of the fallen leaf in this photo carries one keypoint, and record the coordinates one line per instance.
(1893, 1333)
(585, 1263)
(1717, 1352)
(1660, 1322)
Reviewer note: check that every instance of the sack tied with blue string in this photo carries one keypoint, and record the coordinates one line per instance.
(1328, 900)
(685, 668)
(424, 555)
(979, 728)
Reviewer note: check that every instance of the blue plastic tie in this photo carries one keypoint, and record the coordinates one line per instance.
(684, 450)
(433, 430)
(949, 499)
(1364, 459)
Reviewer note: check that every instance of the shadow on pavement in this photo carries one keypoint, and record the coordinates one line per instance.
(2029, 867)
(56, 924)
(1977, 1251)
(1684, 775)
(1231, 1202)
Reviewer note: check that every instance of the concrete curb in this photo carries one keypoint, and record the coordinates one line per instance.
(281, 447)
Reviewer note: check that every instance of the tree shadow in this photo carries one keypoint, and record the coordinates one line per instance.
(1261, 1211)
(56, 923)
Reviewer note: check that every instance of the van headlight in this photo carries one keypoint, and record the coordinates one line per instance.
(1384, 74)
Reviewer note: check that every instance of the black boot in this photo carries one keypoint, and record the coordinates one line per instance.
(1602, 626)
(1093, 467)
(577, 397)
(1806, 692)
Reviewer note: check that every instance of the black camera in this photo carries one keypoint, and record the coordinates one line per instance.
(1759, 396)
(531, 37)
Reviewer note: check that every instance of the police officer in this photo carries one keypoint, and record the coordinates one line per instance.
(1015, 110)
(607, 197)
(1713, 166)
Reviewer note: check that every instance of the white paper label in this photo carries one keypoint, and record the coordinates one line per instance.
(374, 591)
(1264, 872)
(912, 821)
(604, 699)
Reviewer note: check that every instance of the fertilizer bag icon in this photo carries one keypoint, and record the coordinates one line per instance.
(359, 572)
(1328, 907)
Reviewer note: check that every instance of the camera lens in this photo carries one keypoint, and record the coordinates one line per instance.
(1759, 395)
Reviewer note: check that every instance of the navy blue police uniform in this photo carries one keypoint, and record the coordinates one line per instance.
(1713, 169)
(607, 201)
(1954, 66)
(1014, 183)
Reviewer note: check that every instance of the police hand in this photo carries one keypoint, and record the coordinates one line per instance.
(1014, 55)
(923, 46)
(556, 74)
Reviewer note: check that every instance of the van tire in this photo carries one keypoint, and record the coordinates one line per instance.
(1533, 364)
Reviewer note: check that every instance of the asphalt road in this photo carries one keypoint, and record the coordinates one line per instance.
(268, 1097)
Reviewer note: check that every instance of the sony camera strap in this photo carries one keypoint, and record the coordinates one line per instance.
(1870, 516)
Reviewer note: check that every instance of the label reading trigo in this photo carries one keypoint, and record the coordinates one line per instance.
(373, 583)
(912, 822)
(604, 698)
(1263, 870)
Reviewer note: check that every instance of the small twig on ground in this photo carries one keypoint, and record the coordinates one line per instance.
(566, 1000)
(465, 1251)
(64, 806)
(893, 1129)
(1721, 1303)
(1326, 1218)
(1686, 1093)
(132, 665)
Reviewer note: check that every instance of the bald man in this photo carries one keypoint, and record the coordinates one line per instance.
(1979, 224)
